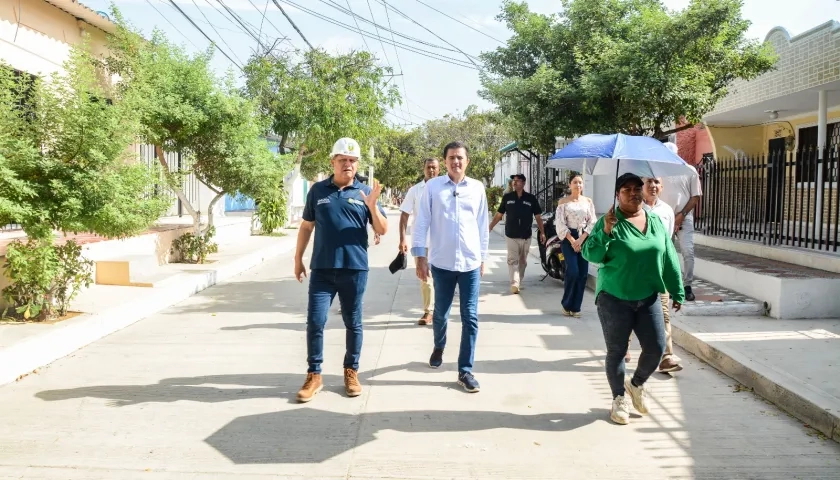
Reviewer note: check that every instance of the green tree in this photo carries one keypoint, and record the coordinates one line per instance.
(399, 158)
(183, 107)
(483, 133)
(630, 66)
(64, 155)
(313, 98)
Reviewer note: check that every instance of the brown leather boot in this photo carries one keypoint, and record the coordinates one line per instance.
(426, 319)
(351, 383)
(310, 388)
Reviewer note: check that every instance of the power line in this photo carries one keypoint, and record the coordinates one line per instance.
(357, 25)
(217, 32)
(263, 16)
(235, 20)
(383, 2)
(241, 22)
(265, 19)
(384, 52)
(293, 24)
(410, 48)
(202, 32)
(173, 25)
(397, 52)
(462, 23)
(421, 108)
(333, 4)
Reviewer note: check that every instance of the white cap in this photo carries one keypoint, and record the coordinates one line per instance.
(672, 147)
(346, 146)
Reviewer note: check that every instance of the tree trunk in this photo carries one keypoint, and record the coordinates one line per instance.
(218, 197)
(301, 151)
(282, 145)
(177, 190)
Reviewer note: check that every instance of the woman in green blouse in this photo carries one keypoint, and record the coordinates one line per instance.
(638, 263)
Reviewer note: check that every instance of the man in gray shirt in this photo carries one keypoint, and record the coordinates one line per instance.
(682, 193)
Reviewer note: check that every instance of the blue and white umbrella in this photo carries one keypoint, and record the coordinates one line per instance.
(616, 154)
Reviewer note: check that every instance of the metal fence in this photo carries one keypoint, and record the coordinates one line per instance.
(547, 184)
(180, 164)
(787, 198)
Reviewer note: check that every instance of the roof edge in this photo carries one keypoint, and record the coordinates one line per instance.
(86, 14)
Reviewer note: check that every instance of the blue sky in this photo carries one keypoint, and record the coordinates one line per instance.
(430, 87)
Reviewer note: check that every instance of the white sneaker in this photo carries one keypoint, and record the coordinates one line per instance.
(639, 396)
(620, 412)
(514, 289)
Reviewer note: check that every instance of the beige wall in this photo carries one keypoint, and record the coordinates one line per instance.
(754, 140)
(749, 139)
(37, 38)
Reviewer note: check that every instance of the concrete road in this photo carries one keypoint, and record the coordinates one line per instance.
(206, 389)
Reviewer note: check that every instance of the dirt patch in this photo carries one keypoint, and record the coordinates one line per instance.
(16, 321)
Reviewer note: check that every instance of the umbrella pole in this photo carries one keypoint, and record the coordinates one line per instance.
(615, 198)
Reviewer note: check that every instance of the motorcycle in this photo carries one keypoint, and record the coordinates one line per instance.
(551, 255)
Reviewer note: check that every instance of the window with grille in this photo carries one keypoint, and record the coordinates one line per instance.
(806, 153)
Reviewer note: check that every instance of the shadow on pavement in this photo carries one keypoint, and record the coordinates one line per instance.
(310, 435)
(213, 388)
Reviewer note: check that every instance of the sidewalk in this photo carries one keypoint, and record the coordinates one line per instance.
(25, 347)
(793, 363)
(205, 389)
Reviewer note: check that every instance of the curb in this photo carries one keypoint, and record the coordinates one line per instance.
(804, 401)
(30, 354)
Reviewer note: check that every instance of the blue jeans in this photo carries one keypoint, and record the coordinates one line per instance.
(619, 318)
(468, 287)
(324, 284)
(577, 271)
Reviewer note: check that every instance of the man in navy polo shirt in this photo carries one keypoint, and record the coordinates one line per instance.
(339, 210)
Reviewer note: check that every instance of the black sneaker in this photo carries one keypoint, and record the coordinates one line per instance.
(437, 358)
(469, 382)
(689, 297)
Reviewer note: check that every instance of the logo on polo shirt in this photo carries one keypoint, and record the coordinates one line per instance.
(527, 203)
(324, 200)
(357, 202)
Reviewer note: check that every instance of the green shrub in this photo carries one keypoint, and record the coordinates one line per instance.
(191, 248)
(271, 212)
(494, 197)
(45, 278)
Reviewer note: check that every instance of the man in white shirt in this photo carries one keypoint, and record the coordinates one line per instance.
(453, 222)
(431, 169)
(683, 193)
(652, 190)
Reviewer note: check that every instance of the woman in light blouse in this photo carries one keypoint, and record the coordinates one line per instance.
(574, 219)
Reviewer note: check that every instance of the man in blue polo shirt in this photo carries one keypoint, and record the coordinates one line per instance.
(339, 210)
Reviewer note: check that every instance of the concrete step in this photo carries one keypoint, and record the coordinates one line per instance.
(714, 300)
(789, 291)
(121, 270)
(159, 279)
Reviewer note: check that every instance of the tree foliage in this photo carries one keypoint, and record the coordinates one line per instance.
(313, 98)
(400, 153)
(606, 66)
(182, 106)
(64, 157)
(483, 132)
(399, 158)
